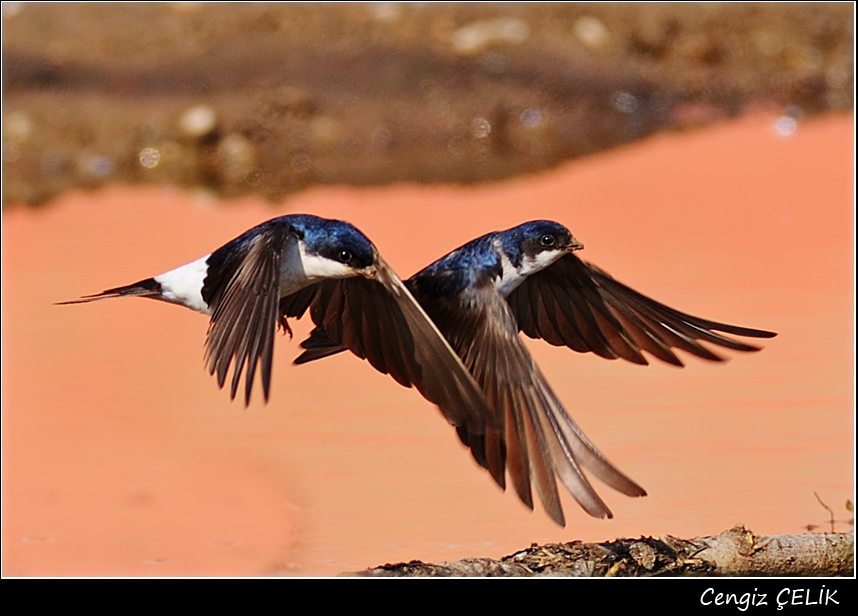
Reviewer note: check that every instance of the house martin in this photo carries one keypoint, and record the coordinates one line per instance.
(528, 279)
(287, 265)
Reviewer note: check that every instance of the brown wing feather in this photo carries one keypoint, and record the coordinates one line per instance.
(574, 303)
(376, 318)
(540, 440)
(244, 313)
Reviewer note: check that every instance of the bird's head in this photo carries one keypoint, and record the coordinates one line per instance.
(540, 243)
(333, 248)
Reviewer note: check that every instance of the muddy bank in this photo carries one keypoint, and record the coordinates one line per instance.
(268, 99)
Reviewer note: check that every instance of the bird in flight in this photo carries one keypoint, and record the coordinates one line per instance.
(287, 265)
(528, 279)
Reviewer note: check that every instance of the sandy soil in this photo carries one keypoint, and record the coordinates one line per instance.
(122, 457)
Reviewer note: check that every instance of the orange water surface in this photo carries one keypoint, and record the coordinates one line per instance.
(122, 457)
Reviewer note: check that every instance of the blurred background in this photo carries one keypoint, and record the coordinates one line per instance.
(703, 153)
(245, 98)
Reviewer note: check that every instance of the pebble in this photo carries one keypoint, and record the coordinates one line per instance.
(480, 128)
(198, 121)
(17, 126)
(477, 36)
(591, 32)
(149, 157)
(237, 156)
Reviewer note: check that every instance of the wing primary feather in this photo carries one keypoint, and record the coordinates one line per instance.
(517, 459)
(621, 290)
(239, 336)
(392, 349)
(643, 336)
(244, 300)
(375, 316)
(546, 321)
(589, 329)
(581, 448)
(565, 463)
(327, 308)
(541, 467)
(575, 327)
(495, 456)
(576, 304)
(682, 334)
(615, 335)
(564, 325)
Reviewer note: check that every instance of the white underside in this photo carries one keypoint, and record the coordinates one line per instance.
(184, 285)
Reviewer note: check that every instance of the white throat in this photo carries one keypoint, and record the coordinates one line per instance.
(511, 277)
(315, 267)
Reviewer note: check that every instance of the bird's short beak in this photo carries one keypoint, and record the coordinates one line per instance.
(574, 245)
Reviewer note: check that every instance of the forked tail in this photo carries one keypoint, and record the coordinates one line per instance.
(145, 288)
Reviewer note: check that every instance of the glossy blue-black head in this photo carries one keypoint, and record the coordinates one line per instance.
(540, 237)
(334, 240)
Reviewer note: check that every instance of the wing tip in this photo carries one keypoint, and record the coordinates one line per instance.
(557, 516)
(748, 332)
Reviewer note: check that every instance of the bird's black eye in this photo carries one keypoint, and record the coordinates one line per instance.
(345, 256)
(547, 240)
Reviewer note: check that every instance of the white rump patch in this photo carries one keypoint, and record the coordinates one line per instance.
(184, 285)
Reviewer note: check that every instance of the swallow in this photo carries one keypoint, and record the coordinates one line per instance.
(527, 279)
(286, 266)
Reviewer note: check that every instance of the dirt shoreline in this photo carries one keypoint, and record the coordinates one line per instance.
(254, 98)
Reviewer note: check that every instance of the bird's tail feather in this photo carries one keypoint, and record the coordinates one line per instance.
(318, 345)
(145, 288)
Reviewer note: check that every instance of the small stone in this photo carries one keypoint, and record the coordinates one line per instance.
(149, 157)
(385, 12)
(198, 121)
(591, 32)
(237, 157)
(480, 128)
(95, 166)
(643, 554)
(17, 126)
(785, 126)
(531, 118)
(624, 102)
(325, 130)
(477, 36)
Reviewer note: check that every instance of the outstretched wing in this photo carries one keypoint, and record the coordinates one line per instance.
(575, 304)
(532, 435)
(377, 319)
(242, 293)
